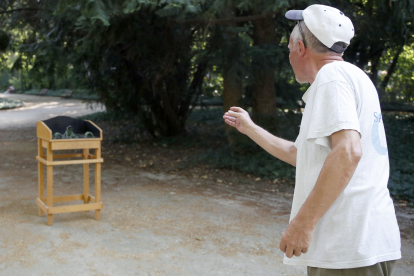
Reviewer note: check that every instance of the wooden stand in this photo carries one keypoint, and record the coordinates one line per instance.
(45, 141)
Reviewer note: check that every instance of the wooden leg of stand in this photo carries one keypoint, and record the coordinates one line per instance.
(49, 176)
(98, 183)
(41, 175)
(86, 178)
(49, 190)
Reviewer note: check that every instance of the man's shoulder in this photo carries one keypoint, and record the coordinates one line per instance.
(341, 71)
(335, 67)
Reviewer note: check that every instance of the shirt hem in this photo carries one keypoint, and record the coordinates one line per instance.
(344, 265)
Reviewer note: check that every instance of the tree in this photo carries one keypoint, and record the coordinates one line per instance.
(152, 57)
(144, 64)
(129, 52)
(380, 26)
(248, 43)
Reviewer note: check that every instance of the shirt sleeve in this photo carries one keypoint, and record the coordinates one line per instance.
(334, 109)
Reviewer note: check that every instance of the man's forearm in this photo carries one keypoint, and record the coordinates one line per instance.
(278, 147)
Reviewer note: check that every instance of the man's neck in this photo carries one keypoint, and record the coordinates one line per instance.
(317, 61)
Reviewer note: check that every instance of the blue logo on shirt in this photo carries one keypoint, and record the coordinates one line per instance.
(375, 135)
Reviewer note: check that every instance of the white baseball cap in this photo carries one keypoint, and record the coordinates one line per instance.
(327, 24)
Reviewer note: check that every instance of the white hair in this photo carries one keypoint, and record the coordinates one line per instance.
(311, 41)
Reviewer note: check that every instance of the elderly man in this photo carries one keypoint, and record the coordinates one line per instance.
(342, 215)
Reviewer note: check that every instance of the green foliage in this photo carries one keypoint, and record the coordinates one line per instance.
(129, 128)
(249, 157)
(257, 162)
(109, 116)
(143, 64)
(4, 41)
(381, 27)
(156, 59)
(9, 104)
(206, 116)
(81, 94)
(400, 130)
(401, 84)
(4, 80)
(254, 160)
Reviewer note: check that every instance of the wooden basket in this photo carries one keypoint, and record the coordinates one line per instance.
(45, 131)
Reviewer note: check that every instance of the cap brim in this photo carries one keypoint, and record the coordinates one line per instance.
(294, 15)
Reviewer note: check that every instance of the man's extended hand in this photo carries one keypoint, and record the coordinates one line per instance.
(239, 118)
(296, 239)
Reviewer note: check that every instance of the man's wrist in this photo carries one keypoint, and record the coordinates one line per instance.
(252, 130)
(307, 218)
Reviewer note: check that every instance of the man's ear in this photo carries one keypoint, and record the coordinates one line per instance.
(302, 48)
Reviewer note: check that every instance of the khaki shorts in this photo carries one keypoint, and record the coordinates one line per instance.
(379, 269)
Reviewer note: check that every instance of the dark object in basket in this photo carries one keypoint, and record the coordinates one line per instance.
(70, 135)
(67, 135)
(81, 128)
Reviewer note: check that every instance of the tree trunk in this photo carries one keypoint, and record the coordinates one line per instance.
(232, 91)
(232, 82)
(22, 80)
(232, 96)
(374, 68)
(264, 94)
(390, 71)
(263, 89)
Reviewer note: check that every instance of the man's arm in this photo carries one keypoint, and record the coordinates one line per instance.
(280, 148)
(337, 171)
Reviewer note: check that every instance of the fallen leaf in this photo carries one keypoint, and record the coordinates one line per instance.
(257, 179)
(219, 181)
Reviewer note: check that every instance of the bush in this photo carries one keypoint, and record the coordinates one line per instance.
(400, 130)
(81, 94)
(247, 156)
(254, 160)
(108, 116)
(8, 104)
(206, 131)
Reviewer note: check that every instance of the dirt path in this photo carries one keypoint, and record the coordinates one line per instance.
(152, 223)
(37, 108)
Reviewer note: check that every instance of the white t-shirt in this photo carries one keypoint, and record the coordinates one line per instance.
(360, 228)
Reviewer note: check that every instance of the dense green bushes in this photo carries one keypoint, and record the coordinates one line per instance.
(82, 94)
(206, 131)
(399, 128)
(8, 104)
